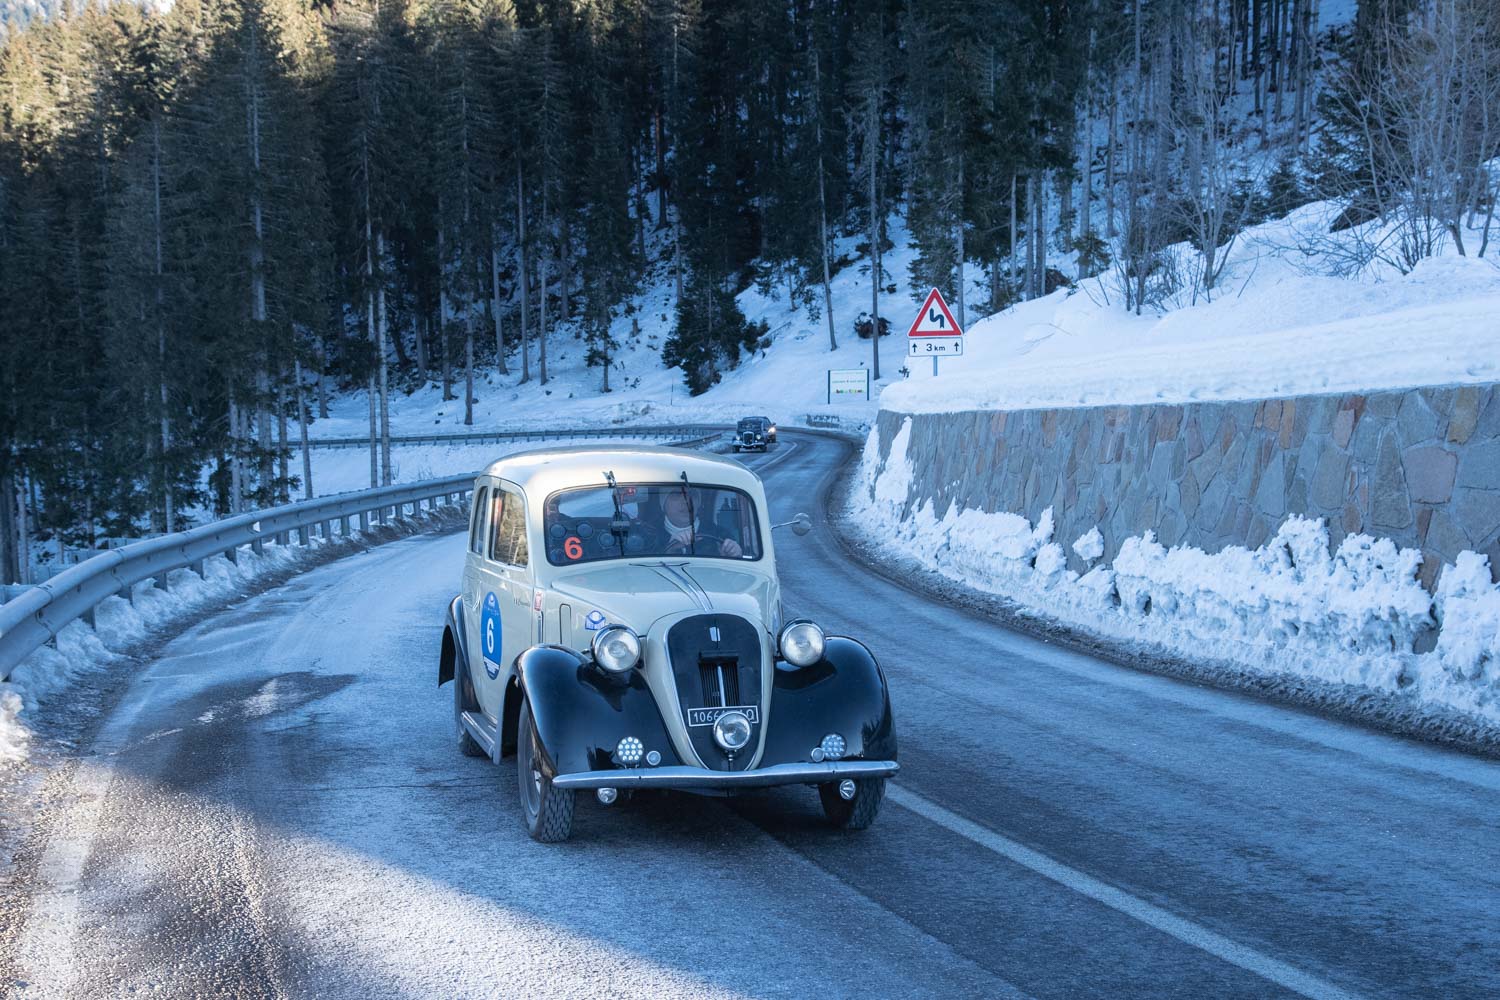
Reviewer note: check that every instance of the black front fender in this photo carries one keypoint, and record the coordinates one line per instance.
(453, 660)
(581, 715)
(844, 693)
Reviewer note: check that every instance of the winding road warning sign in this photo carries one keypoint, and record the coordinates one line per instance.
(935, 333)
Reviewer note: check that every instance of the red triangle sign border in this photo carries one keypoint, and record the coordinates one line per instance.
(934, 297)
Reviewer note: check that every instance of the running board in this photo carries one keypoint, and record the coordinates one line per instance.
(483, 732)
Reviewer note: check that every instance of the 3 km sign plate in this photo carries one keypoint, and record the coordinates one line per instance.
(934, 333)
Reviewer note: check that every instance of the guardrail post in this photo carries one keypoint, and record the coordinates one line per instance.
(344, 525)
(232, 554)
(258, 546)
(159, 581)
(364, 520)
(304, 537)
(88, 616)
(325, 528)
(197, 567)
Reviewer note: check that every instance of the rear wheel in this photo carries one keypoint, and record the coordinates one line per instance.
(856, 813)
(546, 811)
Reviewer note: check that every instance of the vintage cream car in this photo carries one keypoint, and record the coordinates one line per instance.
(620, 628)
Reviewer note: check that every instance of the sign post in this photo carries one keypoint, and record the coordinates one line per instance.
(935, 333)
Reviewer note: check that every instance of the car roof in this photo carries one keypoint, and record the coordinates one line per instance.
(544, 471)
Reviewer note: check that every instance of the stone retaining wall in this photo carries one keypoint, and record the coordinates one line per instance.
(1418, 466)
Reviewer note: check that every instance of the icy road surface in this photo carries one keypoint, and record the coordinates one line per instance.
(277, 807)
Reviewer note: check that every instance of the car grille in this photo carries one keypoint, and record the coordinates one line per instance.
(716, 661)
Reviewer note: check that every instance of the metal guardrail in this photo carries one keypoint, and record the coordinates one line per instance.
(36, 614)
(694, 431)
(39, 613)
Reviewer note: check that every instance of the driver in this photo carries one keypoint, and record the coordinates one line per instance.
(680, 537)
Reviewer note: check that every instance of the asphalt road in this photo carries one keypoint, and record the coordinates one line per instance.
(276, 807)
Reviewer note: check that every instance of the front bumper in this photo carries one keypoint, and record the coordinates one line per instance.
(702, 777)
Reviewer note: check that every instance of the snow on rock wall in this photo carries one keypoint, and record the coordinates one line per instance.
(1351, 538)
(1420, 467)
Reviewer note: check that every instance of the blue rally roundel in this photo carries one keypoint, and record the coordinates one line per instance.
(489, 635)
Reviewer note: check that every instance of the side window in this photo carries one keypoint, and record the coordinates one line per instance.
(477, 524)
(508, 539)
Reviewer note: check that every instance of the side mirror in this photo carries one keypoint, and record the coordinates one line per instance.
(800, 525)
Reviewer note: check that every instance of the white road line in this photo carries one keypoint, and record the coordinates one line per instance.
(1121, 901)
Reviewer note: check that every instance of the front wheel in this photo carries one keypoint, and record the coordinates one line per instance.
(546, 811)
(856, 813)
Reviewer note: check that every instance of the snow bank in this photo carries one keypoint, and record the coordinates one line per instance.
(1353, 616)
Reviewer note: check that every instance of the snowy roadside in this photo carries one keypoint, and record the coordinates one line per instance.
(1340, 632)
(41, 685)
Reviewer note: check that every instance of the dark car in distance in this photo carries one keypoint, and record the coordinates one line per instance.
(753, 433)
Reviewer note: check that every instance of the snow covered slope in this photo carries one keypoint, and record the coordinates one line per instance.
(1278, 324)
(1276, 327)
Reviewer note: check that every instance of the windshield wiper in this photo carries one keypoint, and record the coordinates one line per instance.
(619, 527)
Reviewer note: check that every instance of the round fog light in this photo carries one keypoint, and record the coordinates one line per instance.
(833, 746)
(607, 796)
(732, 731)
(846, 789)
(653, 757)
(629, 751)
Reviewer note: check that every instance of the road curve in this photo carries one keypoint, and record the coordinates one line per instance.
(276, 807)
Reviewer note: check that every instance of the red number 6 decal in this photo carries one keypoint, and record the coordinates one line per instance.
(573, 548)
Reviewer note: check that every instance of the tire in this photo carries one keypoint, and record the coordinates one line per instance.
(463, 701)
(546, 811)
(856, 813)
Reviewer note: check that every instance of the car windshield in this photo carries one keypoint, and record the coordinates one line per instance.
(644, 520)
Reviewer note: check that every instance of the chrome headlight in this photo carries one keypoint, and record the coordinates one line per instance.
(801, 643)
(616, 649)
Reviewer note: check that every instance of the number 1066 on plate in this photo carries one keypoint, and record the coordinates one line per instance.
(937, 347)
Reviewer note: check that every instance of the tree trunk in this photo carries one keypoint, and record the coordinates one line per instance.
(566, 277)
(500, 364)
(542, 265)
(833, 342)
(307, 486)
(960, 241)
(266, 467)
(661, 172)
(872, 155)
(322, 377)
(24, 507)
(1029, 280)
(373, 392)
(419, 331)
(1013, 209)
(381, 327)
(525, 276)
(283, 473)
(10, 560)
(469, 366)
(236, 475)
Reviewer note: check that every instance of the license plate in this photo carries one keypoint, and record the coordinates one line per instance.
(708, 716)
